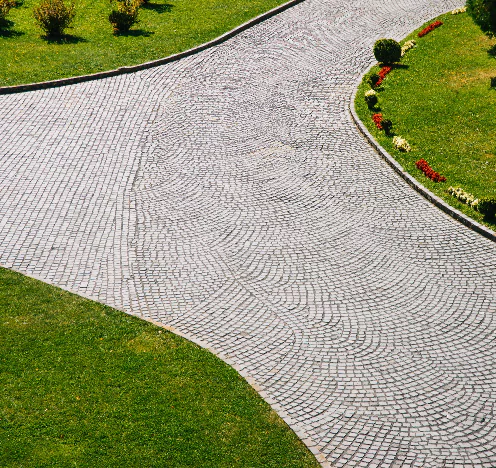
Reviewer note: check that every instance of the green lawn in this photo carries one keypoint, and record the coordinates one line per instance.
(83, 385)
(166, 27)
(441, 102)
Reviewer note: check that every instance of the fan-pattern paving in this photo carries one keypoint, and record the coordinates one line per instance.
(229, 195)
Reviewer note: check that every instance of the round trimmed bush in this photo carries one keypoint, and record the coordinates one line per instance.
(483, 12)
(387, 51)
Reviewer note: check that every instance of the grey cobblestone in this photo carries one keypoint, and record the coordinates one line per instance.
(230, 196)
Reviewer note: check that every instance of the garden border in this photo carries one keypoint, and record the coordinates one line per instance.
(415, 184)
(154, 63)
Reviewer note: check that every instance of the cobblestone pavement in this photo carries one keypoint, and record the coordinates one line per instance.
(229, 195)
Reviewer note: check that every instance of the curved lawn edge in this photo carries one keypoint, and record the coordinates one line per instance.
(293, 425)
(154, 63)
(414, 183)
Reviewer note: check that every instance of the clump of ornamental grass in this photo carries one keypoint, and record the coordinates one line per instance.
(125, 15)
(54, 16)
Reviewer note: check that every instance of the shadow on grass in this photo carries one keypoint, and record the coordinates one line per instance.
(492, 51)
(375, 109)
(6, 31)
(134, 33)
(65, 39)
(491, 220)
(158, 7)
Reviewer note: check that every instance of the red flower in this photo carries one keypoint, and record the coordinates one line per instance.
(429, 28)
(377, 118)
(384, 71)
(423, 165)
(382, 74)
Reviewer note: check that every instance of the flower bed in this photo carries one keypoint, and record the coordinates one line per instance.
(401, 144)
(377, 118)
(371, 98)
(464, 197)
(382, 74)
(429, 28)
(407, 46)
(423, 165)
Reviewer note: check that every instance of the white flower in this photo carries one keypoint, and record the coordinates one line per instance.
(464, 197)
(407, 46)
(401, 144)
(370, 92)
(459, 10)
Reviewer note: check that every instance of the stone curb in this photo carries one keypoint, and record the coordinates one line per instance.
(292, 424)
(153, 63)
(398, 168)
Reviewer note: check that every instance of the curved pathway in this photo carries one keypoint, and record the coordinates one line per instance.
(229, 195)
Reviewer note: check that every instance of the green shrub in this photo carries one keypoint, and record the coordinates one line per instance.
(125, 16)
(387, 125)
(5, 6)
(53, 16)
(483, 12)
(487, 206)
(387, 51)
(370, 98)
(373, 80)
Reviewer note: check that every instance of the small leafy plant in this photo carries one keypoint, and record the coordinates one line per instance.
(487, 206)
(373, 80)
(387, 125)
(54, 16)
(5, 6)
(387, 51)
(371, 98)
(125, 16)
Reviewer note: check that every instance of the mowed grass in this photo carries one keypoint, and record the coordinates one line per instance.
(166, 27)
(441, 102)
(84, 385)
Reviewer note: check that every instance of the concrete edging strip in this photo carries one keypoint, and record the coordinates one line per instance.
(154, 63)
(398, 168)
